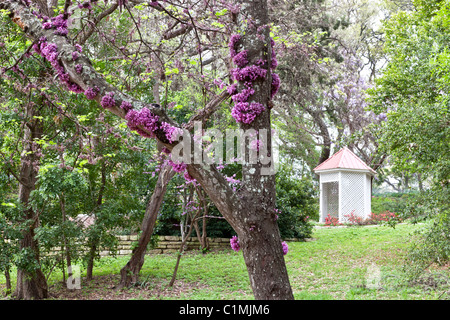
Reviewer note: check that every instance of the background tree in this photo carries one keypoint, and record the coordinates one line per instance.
(412, 97)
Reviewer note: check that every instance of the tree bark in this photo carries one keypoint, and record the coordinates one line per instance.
(31, 284)
(130, 272)
(8, 282)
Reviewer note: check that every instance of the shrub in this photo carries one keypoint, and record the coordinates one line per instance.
(332, 221)
(374, 218)
(354, 219)
(394, 202)
(296, 203)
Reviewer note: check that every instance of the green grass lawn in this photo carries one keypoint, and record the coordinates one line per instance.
(334, 265)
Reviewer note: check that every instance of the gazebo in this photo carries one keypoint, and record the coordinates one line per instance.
(345, 186)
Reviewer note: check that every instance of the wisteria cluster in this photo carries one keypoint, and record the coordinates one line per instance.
(78, 68)
(246, 112)
(243, 110)
(143, 122)
(59, 23)
(91, 93)
(275, 84)
(126, 106)
(178, 166)
(108, 100)
(50, 52)
(171, 132)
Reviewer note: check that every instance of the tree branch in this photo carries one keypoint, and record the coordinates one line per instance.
(209, 177)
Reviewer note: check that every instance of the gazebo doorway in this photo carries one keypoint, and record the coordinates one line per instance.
(331, 199)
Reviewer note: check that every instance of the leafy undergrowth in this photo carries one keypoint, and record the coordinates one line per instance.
(339, 263)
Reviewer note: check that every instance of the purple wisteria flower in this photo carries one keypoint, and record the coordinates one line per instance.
(382, 116)
(246, 112)
(243, 95)
(126, 106)
(285, 247)
(78, 68)
(47, 25)
(178, 167)
(240, 59)
(108, 100)
(250, 73)
(275, 84)
(172, 133)
(232, 88)
(75, 55)
(234, 39)
(234, 242)
(143, 122)
(74, 87)
(61, 31)
(91, 93)
(50, 52)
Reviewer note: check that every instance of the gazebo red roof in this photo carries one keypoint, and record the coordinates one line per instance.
(344, 159)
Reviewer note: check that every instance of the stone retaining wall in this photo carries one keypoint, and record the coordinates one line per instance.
(167, 244)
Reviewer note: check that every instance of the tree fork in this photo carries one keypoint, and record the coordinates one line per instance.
(250, 210)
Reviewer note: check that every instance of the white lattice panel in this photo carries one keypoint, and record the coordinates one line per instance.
(353, 191)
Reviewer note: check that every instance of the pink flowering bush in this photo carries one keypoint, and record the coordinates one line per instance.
(374, 218)
(385, 216)
(331, 221)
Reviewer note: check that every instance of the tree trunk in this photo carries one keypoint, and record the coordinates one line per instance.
(183, 246)
(94, 242)
(130, 272)
(202, 237)
(31, 285)
(263, 255)
(31, 282)
(62, 204)
(90, 262)
(8, 282)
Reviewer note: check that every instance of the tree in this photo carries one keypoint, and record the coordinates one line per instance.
(252, 52)
(322, 100)
(412, 97)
